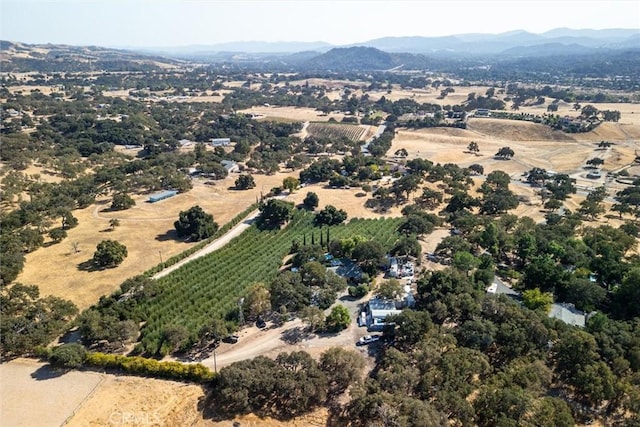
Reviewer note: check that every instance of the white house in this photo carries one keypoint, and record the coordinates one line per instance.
(377, 311)
(230, 166)
(220, 142)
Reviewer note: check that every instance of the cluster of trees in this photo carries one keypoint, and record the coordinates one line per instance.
(195, 224)
(284, 387)
(312, 284)
(29, 320)
(330, 215)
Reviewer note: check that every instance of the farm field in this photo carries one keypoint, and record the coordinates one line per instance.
(211, 286)
(352, 132)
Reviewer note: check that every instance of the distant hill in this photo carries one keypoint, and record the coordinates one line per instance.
(364, 58)
(451, 52)
(18, 57)
(249, 47)
(550, 49)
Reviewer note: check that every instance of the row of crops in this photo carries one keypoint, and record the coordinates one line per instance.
(335, 131)
(211, 286)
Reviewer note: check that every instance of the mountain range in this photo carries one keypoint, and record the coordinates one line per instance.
(577, 48)
(511, 43)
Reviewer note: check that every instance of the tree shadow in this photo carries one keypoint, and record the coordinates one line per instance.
(89, 265)
(349, 298)
(47, 372)
(329, 334)
(295, 335)
(212, 410)
(170, 234)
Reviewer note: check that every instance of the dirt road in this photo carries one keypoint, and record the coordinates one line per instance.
(290, 336)
(213, 246)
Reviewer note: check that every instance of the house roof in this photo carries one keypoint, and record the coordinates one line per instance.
(381, 304)
(562, 311)
(497, 287)
(228, 164)
(568, 314)
(382, 314)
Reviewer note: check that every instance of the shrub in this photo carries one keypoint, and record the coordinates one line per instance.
(68, 356)
(150, 367)
(358, 291)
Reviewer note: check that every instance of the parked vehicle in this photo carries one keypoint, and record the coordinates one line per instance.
(368, 339)
(231, 339)
(261, 324)
(362, 319)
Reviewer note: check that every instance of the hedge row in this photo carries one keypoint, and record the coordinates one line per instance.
(182, 255)
(137, 365)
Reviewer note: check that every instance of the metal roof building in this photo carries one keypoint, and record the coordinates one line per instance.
(161, 196)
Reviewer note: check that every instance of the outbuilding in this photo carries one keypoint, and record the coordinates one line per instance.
(161, 196)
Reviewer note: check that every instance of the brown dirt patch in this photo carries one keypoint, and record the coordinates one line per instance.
(297, 114)
(128, 401)
(35, 395)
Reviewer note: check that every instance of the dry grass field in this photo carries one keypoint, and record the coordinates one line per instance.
(534, 145)
(146, 230)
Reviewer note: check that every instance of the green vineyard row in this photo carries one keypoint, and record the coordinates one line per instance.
(211, 286)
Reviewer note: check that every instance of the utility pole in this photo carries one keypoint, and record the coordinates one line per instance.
(215, 363)
(240, 314)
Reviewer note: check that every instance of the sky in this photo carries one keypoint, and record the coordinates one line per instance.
(168, 23)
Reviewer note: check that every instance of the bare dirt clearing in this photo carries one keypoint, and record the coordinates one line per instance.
(297, 114)
(35, 395)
